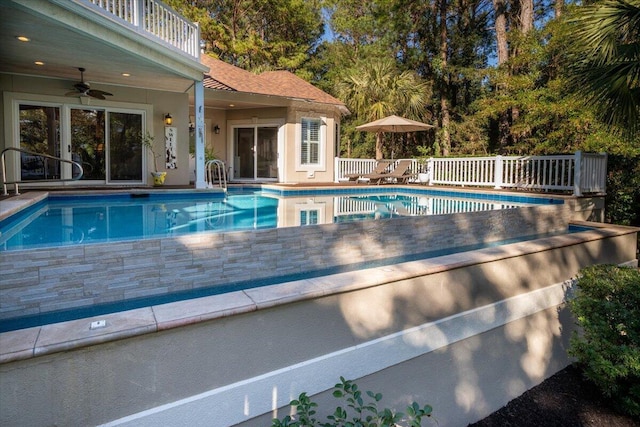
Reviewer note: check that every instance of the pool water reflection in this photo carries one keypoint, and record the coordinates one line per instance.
(72, 220)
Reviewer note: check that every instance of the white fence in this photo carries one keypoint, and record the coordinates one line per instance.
(154, 17)
(579, 173)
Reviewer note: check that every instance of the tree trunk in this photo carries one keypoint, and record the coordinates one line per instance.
(445, 143)
(558, 8)
(379, 146)
(526, 16)
(500, 9)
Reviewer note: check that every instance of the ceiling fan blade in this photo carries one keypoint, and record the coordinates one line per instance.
(94, 92)
(73, 93)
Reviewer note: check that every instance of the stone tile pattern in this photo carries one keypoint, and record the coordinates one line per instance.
(44, 280)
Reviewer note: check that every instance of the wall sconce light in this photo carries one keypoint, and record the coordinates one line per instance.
(168, 120)
(216, 129)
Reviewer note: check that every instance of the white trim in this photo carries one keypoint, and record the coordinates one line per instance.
(246, 399)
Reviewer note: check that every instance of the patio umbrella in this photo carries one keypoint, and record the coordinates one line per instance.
(391, 124)
(394, 124)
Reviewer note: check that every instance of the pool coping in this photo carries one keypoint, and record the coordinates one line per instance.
(38, 341)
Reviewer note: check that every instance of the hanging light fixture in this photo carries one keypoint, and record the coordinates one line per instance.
(168, 120)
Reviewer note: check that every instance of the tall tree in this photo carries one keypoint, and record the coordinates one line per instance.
(258, 34)
(375, 89)
(445, 118)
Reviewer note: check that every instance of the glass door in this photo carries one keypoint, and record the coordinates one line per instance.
(244, 163)
(39, 133)
(267, 153)
(107, 144)
(256, 153)
(125, 147)
(88, 142)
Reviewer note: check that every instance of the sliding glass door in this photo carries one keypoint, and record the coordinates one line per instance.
(125, 148)
(39, 133)
(256, 152)
(106, 143)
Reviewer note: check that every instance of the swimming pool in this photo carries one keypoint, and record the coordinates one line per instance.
(85, 276)
(63, 220)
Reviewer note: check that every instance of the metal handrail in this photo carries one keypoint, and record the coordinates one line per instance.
(31, 153)
(216, 169)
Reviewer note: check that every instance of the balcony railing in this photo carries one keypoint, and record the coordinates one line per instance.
(579, 173)
(155, 18)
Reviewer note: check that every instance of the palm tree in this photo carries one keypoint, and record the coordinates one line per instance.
(607, 60)
(375, 89)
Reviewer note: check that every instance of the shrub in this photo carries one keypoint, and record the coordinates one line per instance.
(358, 412)
(607, 308)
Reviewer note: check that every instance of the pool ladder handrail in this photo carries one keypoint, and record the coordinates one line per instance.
(5, 183)
(216, 171)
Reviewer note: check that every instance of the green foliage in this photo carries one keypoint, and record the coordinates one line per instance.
(623, 190)
(356, 411)
(378, 88)
(607, 307)
(257, 35)
(605, 57)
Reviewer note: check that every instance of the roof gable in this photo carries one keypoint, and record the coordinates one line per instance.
(223, 76)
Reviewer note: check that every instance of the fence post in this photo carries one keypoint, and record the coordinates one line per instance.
(498, 172)
(430, 171)
(336, 169)
(577, 174)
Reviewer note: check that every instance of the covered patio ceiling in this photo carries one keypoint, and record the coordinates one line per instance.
(65, 41)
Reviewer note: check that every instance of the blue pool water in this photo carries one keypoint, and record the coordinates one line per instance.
(90, 219)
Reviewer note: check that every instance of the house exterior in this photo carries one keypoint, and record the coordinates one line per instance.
(143, 61)
(272, 127)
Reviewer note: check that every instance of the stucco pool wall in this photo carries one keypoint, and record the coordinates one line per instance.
(45, 280)
(465, 332)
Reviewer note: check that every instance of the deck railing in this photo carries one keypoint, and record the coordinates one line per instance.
(579, 173)
(155, 18)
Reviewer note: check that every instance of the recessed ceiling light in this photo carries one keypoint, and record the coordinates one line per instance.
(39, 63)
(231, 105)
(126, 75)
(23, 38)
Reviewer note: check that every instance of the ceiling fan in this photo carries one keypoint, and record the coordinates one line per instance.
(83, 88)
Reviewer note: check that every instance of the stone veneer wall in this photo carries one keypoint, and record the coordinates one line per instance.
(44, 280)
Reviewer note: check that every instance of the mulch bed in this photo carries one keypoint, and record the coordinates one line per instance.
(564, 400)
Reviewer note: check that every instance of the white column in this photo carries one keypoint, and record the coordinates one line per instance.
(198, 102)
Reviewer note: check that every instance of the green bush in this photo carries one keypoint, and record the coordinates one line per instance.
(607, 308)
(358, 412)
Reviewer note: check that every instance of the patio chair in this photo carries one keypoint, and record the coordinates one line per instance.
(380, 168)
(400, 174)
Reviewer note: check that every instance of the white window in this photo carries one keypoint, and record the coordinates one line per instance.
(309, 217)
(310, 142)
